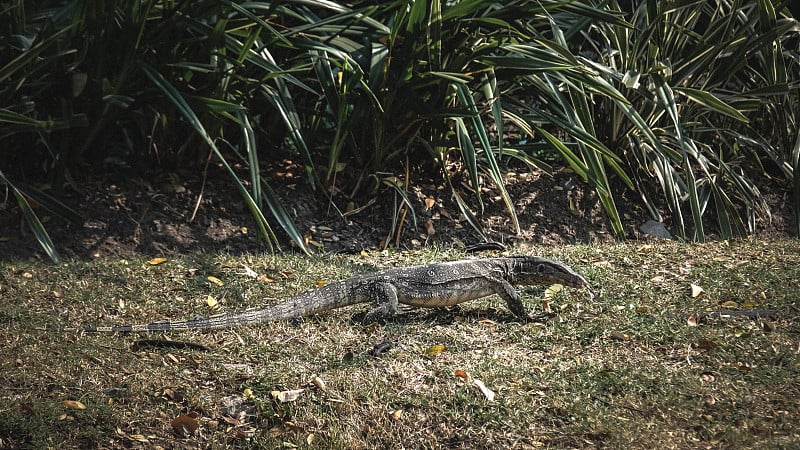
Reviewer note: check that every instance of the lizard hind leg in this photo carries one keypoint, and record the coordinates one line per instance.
(384, 297)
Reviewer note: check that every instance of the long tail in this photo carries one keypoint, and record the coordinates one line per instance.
(301, 305)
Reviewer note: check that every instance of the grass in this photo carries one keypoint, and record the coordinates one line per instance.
(625, 370)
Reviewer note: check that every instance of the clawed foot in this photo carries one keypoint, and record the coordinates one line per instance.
(539, 317)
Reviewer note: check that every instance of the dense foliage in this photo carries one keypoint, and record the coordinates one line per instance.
(686, 102)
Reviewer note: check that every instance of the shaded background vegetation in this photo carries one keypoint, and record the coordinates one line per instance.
(693, 104)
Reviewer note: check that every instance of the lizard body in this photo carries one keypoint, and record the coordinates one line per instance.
(430, 286)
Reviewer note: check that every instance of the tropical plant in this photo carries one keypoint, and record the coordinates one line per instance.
(678, 101)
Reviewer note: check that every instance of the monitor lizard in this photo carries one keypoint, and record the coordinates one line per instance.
(430, 286)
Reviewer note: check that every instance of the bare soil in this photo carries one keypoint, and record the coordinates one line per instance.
(129, 215)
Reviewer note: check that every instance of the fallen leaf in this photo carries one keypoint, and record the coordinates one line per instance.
(287, 396)
(696, 290)
(429, 229)
(212, 302)
(265, 279)
(319, 383)
(215, 280)
(250, 272)
(185, 425)
(617, 336)
(434, 350)
(730, 304)
(488, 393)
(461, 374)
(429, 202)
(554, 289)
(573, 208)
(157, 261)
(397, 414)
(692, 320)
(73, 404)
(139, 438)
(705, 344)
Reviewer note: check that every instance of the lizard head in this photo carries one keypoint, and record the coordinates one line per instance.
(534, 270)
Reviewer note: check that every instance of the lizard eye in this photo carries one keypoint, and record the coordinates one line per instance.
(540, 268)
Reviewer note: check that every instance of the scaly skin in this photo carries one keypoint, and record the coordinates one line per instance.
(428, 286)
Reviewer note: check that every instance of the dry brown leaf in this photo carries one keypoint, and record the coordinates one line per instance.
(397, 414)
(429, 202)
(617, 336)
(692, 320)
(730, 304)
(73, 404)
(429, 228)
(461, 374)
(185, 425)
(319, 383)
(705, 344)
(696, 290)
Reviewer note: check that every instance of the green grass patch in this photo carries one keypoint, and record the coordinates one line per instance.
(644, 365)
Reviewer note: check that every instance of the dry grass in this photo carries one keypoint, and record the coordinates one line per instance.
(623, 371)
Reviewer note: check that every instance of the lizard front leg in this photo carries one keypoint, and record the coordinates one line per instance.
(384, 296)
(507, 292)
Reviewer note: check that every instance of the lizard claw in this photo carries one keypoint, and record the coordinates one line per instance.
(540, 317)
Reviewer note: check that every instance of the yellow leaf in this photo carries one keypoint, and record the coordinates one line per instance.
(320, 283)
(730, 304)
(244, 230)
(696, 290)
(212, 302)
(157, 261)
(73, 404)
(553, 290)
(215, 280)
(434, 350)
